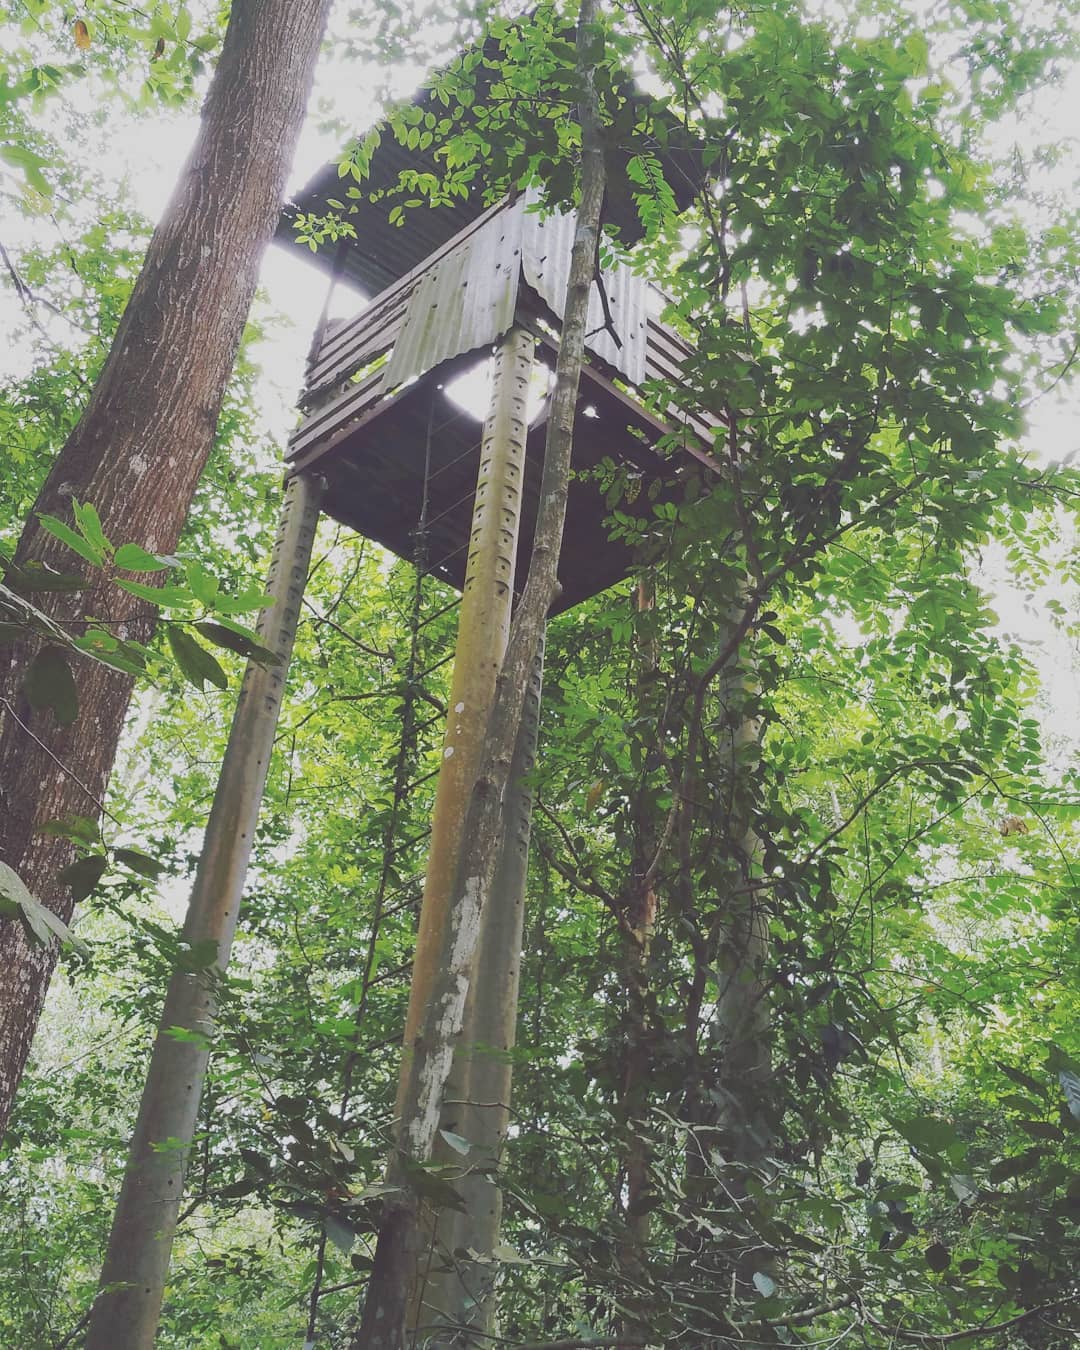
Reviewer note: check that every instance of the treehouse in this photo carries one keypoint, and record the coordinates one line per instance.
(380, 420)
(386, 447)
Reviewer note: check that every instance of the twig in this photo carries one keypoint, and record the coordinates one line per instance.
(944, 1338)
(60, 763)
(325, 618)
(608, 326)
(79, 1326)
(29, 299)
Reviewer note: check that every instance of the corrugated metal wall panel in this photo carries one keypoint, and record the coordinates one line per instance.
(466, 301)
(546, 243)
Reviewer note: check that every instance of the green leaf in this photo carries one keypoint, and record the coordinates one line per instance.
(1041, 1129)
(253, 598)
(1070, 1085)
(84, 874)
(80, 828)
(204, 586)
(918, 50)
(437, 1191)
(927, 1133)
(506, 1255)
(339, 1234)
(139, 862)
(172, 597)
(38, 576)
(764, 1284)
(30, 163)
(74, 541)
(238, 1189)
(376, 1188)
(50, 684)
(256, 1161)
(119, 655)
(13, 889)
(89, 523)
(457, 1142)
(134, 558)
(938, 1257)
(1008, 1168)
(1022, 1079)
(195, 956)
(195, 662)
(41, 923)
(189, 1036)
(232, 641)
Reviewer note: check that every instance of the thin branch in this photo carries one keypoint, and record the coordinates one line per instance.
(944, 1338)
(60, 763)
(75, 1331)
(349, 637)
(608, 326)
(584, 880)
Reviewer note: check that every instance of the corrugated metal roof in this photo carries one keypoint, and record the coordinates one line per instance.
(465, 301)
(546, 244)
(381, 252)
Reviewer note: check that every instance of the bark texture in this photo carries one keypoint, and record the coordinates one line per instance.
(729, 1080)
(138, 451)
(427, 1064)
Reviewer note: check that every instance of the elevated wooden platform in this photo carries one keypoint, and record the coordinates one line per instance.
(379, 426)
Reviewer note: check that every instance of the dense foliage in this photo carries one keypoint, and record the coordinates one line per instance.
(801, 730)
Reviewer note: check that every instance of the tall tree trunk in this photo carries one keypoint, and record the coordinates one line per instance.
(139, 449)
(742, 1012)
(639, 907)
(428, 1058)
(729, 1086)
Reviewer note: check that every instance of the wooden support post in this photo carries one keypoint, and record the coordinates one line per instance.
(483, 629)
(128, 1305)
(458, 1290)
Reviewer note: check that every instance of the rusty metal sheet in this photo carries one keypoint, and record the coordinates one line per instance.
(546, 242)
(464, 302)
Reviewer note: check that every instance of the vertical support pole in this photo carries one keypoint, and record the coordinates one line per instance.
(477, 1103)
(125, 1314)
(483, 630)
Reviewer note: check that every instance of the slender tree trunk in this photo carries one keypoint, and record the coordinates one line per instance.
(744, 1040)
(742, 1013)
(639, 905)
(729, 1086)
(139, 449)
(428, 1058)
(128, 1305)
